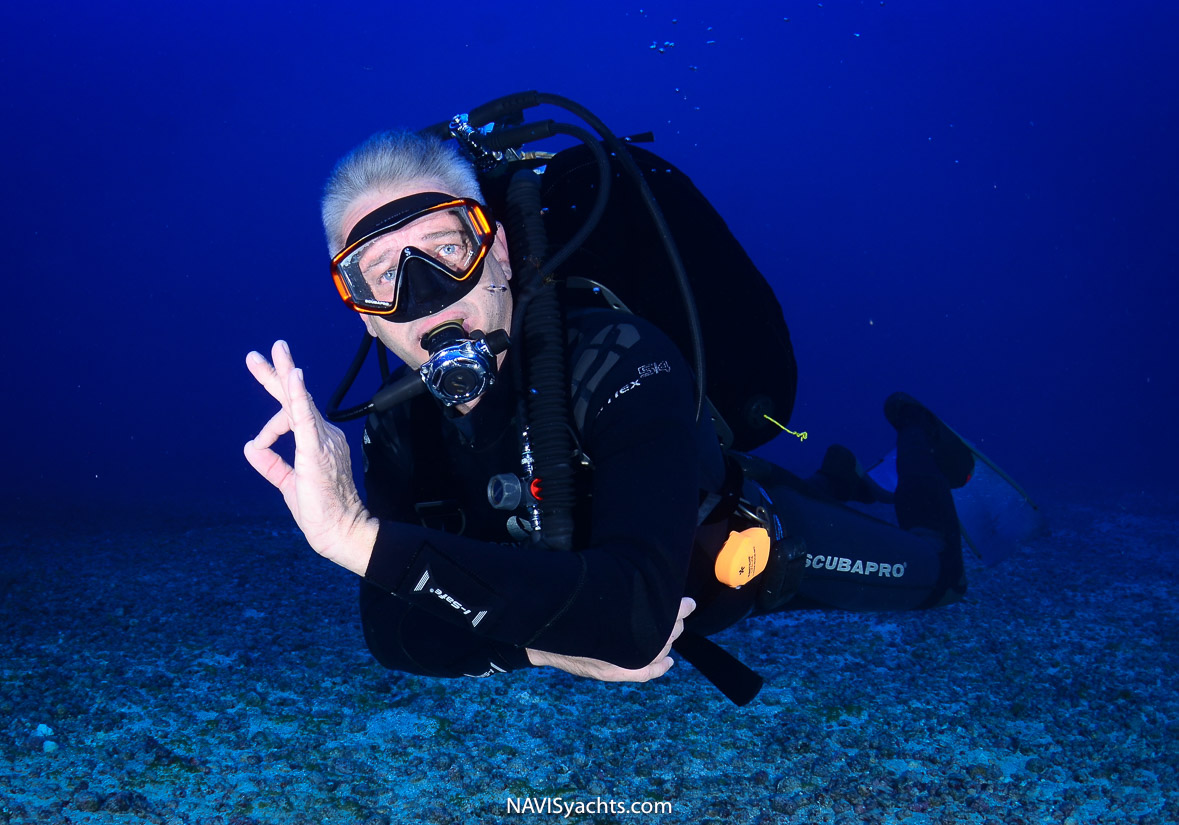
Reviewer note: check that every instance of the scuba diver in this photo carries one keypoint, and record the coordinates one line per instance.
(548, 482)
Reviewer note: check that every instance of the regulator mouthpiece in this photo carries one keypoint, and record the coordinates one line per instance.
(460, 368)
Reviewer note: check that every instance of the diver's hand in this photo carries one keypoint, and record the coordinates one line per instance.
(319, 489)
(606, 672)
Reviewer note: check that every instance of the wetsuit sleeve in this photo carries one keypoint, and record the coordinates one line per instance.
(401, 636)
(617, 599)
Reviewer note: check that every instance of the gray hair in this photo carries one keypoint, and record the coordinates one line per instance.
(388, 159)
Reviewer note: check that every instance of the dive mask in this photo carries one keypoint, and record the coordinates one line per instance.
(414, 256)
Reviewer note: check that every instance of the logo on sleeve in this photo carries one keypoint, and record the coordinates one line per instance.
(647, 370)
(424, 584)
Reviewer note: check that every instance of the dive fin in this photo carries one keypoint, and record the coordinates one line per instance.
(994, 512)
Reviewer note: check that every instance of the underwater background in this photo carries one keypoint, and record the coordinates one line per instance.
(974, 203)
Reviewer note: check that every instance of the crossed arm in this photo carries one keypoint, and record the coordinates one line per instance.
(319, 491)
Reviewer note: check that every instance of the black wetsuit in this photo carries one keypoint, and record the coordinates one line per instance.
(440, 603)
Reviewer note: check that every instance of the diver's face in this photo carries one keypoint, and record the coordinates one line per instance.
(480, 309)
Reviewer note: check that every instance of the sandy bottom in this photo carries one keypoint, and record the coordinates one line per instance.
(196, 673)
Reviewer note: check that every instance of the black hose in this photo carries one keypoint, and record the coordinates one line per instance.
(501, 107)
(505, 138)
(600, 202)
(383, 361)
(545, 391)
(539, 324)
(333, 411)
(673, 255)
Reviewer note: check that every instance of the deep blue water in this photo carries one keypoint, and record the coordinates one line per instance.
(972, 202)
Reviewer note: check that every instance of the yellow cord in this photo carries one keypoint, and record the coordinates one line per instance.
(801, 436)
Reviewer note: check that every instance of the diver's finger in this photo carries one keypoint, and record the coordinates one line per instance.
(663, 662)
(278, 426)
(663, 659)
(280, 353)
(676, 632)
(305, 419)
(656, 669)
(265, 375)
(255, 359)
(269, 464)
